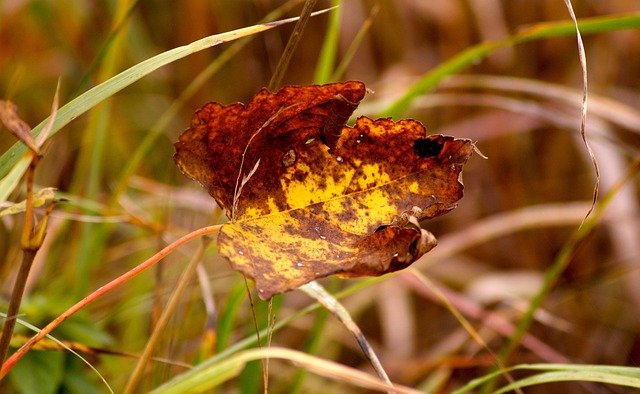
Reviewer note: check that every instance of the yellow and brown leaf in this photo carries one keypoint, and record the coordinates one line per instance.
(309, 197)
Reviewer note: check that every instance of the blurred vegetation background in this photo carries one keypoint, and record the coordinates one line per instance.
(521, 206)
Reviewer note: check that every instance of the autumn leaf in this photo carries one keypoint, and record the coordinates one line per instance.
(308, 197)
(15, 125)
(40, 198)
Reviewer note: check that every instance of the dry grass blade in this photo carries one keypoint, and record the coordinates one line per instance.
(548, 215)
(216, 374)
(40, 140)
(292, 44)
(167, 313)
(245, 179)
(583, 113)
(317, 292)
(15, 125)
(563, 258)
(606, 108)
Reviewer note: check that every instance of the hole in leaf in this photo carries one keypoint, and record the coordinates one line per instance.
(427, 147)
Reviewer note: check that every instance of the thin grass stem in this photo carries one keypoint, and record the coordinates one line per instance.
(168, 311)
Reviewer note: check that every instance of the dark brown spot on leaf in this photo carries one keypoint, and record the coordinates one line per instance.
(427, 147)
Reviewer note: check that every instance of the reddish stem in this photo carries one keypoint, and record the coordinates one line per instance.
(11, 361)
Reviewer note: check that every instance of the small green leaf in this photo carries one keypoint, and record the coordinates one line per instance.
(38, 373)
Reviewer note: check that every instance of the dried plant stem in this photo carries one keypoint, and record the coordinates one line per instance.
(292, 44)
(317, 292)
(11, 361)
(29, 250)
(583, 110)
(595, 211)
(171, 306)
(16, 298)
(27, 230)
(32, 233)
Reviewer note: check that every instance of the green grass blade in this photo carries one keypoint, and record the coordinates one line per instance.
(62, 345)
(355, 45)
(228, 315)
(329, 51)
(88, 176)
(572, 376)
(11, 180)
(473, 54)
(563, 259)
(620, 376)
(155, 131)
(632, 372)
(91, 98)
(617, 375)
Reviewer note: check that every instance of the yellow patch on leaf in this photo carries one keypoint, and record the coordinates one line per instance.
(314, 197)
